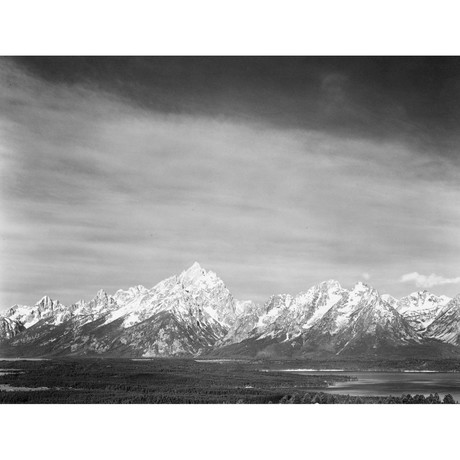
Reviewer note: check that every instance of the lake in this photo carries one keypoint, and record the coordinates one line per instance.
(24, 359)
(391, 383)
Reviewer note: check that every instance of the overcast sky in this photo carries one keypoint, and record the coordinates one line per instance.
(276, 173)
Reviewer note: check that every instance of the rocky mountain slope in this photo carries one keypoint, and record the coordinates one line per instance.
(326, 318)
(9, 328)
(182, 315)
(194, 313)
(421, 308)
(446, 325)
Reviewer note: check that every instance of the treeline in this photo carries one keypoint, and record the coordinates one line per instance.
(328, 398)
(41, 397)
(162, 381)
(91, 397)
(175, 381)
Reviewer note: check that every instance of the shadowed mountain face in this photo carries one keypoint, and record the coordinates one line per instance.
(195, 314)
(446, 326)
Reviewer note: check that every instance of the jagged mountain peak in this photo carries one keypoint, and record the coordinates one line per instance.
(45, 301)
(446, 325)
(194, 312)
(362, 286)
(420, 308)
(331, 283)
(9, 328)
(422, 294)
(196, 279)
(133, 291)
(362, 292)
(422, 297)
(101, 294)
(194, 266)
(192, 273)
(389, 299)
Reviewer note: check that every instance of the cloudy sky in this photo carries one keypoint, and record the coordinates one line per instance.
(276, 173)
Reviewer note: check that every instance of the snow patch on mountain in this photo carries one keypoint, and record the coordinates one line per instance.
(194, 313)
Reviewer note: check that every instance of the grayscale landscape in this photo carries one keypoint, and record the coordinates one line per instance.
(230, 230)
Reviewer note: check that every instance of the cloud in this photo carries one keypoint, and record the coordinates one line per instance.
(428, 281)
(97, 192)
(366, 276)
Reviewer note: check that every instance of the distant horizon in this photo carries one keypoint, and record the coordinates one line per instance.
(111, 293)
(276, 173)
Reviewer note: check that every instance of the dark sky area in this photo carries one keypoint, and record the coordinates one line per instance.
(368, 96)
(275, 172)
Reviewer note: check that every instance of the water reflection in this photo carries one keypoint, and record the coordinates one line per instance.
(395, 383)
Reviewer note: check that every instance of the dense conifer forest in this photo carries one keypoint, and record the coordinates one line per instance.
(179, 381)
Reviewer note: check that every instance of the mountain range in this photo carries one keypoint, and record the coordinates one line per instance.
(194, 314)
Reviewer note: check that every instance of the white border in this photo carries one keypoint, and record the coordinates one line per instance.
(247, 27)
(228, 432)
(236, 27)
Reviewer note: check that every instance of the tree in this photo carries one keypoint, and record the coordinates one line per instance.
(285, 399)
(448, 399)
(433, 399)
(407, 399)
(419, 399)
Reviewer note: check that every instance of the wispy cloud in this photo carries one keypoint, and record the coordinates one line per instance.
(98, 192)
(429, 281)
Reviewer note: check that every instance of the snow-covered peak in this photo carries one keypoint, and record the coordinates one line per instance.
(445, 300)
(197, 280)
(389, 299)
(45, 308)
(419, 295)
(362, 292)
(45, 301)
(361, 286)
(79, 303)
(193, 311)
(137, 289)
(421, 308)
(100, 305)
(9, 328)
(195, 293)
(122, 295)
(422, 299)
(330, 284)
(244, 306)
(101, 294)
(446, 325)
(192, 274)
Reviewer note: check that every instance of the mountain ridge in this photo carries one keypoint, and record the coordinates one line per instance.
(194, 314)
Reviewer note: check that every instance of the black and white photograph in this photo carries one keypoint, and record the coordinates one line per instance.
(230, 230)
(189, 229)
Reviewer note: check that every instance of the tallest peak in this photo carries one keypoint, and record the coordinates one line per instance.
(192, 273)
(195, 266)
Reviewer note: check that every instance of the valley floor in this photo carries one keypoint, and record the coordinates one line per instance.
(189, 381)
